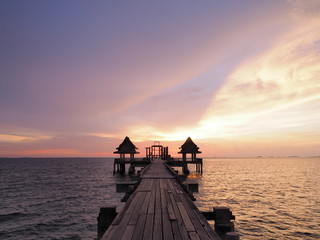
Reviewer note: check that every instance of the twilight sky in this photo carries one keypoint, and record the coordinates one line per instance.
(241, 78)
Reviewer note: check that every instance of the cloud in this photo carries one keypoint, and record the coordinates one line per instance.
(157, 71)
(181, 108)
(41, 153)
(16, 138)
(60, 145)
(271, 86)
(304, 8)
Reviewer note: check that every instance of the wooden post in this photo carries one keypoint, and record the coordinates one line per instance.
(223, 217)
(122, 168)
(232, 236)
(185, 168)
(123, 187)
(181, 178)
(192, 186)
(131, 170)
(106, 216)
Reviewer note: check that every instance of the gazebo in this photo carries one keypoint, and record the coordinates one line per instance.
(189, 147)
(126, 147)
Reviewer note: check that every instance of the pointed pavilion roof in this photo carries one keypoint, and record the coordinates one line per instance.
(189, 147)
(126, 147)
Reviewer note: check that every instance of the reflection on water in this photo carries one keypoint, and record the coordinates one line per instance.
(54, 198)
(271, 198)
(60, 198)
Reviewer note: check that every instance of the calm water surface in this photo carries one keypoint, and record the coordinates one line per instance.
(271, 198)
(60, 198)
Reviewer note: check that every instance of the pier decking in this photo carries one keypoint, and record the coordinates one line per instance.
(159, 209)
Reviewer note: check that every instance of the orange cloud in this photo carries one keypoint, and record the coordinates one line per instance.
(13, 138)
(264, 91)
(42, 153)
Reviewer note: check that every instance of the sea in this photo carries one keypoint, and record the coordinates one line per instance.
(60, 198)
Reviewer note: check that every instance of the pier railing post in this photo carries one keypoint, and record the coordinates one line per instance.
(222, 218)
(232, 236)
(106, 216)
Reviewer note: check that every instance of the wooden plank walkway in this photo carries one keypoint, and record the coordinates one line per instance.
(159, 209)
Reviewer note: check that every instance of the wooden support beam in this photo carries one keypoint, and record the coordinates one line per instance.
(106, 215)
(123, 187)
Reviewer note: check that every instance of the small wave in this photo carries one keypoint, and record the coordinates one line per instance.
(11, 216)
(69, 237)
(303, 235)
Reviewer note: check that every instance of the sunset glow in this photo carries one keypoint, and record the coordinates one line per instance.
(239, 79)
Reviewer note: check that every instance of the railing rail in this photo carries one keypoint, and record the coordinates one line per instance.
(132, 159)
(187, 159)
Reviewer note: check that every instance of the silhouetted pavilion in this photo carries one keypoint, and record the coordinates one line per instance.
(189, 147)
(126, 147)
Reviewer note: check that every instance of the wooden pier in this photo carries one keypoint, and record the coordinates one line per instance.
(159, 209)
(158, 206)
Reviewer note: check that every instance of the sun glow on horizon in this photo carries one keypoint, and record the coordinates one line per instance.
(236, 84)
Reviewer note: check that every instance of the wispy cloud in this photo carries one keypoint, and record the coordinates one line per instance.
(161, 71)
(273, 85)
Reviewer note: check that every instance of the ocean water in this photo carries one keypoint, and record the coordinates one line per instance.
(60, 198)
(271, 198)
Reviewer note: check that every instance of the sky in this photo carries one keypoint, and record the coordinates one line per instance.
(241, 78)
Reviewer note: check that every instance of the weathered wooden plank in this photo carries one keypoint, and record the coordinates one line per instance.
(108, 235)
(204, 231)
(136, 212)
(201, 232)
(149, 185)
(166, 224)
(176, 231)
(148, 230)
(128, 232)
(146, 202)
(142, 185)
(185, 217)
(176, 194)
(131, 202)
(194, 236)
(126, 218)
(194, 219)
(151, 208)
(157, 170)
(163, 183)
(175, 188)
(206, 226)
(157, 229)
(172, 216)
(146, 185)
(213, 235)
(182, 229)
(138, 231)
